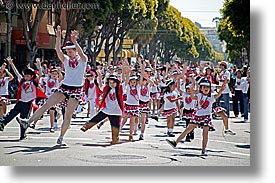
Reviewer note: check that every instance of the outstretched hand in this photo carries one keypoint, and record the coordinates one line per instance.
(10, 60)
(74, 35)
(58, 31)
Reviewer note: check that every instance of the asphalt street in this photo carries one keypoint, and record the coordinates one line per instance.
(92, 148)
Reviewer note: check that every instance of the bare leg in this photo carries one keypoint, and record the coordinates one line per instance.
(132, 126)
(188, 129)
(205, 137)
(4, 107)
(1, 111)
(72, 104)
(224, 118)
(143, 118)
(115, 134)
(52, 117)
(124, 120)
(54, 99)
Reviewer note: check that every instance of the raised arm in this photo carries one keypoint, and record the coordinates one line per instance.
(60, 75)
(142, 66)
(82, 55)
(10, 60)
(58, 50)
(220, 91)
(99, 73)
(193, 93)
(38, 64)
(9, 74)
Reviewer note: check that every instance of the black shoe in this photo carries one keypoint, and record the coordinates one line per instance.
(22, 133)
(187, 140)
(23, 137)
(2, 126)
(172, 143)
(141, 137)
(155, 118)
(192, 135)
(51, 130)
(204, 153)
(32, 126)
(23, 122)
(170, 134)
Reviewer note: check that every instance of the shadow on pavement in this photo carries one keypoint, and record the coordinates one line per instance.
(32, 150)
(247, 146)
(10, 140)
(103, 144)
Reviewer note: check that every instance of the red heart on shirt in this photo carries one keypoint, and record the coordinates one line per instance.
(26, 86)
(188, 100)
(92, 85)
(143, 91)
(2, 83)
(238, 83)
(112, 96)
(204, 104)
(133, 92)
(51, 84)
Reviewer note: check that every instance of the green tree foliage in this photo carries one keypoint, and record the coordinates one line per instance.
(234, 29)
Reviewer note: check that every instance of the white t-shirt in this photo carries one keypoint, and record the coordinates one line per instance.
(154, 87)
(28, 91)
(225, 74)
(145, 93)
(238, 84)
(167, 104)
(133, 95)
(4, 86)
(50, 84)
(245, 85)
(188, 102)
(74, 76)
(112, 106)
(91, 90)
(204, 104)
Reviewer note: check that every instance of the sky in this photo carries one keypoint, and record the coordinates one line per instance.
(201, 11)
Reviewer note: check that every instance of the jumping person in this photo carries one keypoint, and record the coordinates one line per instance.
(28, 91)
(5, 78)
(202, 117)
(112, 107)
(75, 63)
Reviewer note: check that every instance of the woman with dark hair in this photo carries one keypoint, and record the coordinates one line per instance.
(112, 107)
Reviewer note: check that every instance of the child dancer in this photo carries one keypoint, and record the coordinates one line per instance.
(112, 107)
(51, 81)
(171, 106)
(202, 117)
(5, 78)
(92, 85)
(188, 110)
(144, 100)
(27, 92)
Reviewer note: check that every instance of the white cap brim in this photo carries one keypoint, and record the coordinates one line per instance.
(69, 47)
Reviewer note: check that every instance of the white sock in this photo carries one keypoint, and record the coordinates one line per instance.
(170, 130)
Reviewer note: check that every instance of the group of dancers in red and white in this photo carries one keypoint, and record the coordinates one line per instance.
(116, 93)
